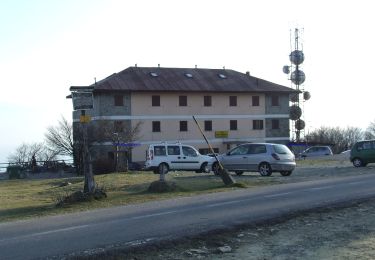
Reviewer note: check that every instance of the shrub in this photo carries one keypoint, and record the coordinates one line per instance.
(14, 172)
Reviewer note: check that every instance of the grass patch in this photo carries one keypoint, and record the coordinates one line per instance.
(26, 198)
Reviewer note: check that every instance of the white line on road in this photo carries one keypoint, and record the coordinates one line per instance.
(356, 182)
(278, 195)
(322, 188)
(44, 233)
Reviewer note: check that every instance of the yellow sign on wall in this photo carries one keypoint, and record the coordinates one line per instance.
(84, 118)
(221, 134)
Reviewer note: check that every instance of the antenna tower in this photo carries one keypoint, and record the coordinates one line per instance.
(297, 78)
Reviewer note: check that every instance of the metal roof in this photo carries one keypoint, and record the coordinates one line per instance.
(158, 79)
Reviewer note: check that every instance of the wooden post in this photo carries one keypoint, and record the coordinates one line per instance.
(225, 176)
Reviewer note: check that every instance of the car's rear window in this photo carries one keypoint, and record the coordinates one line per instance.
(159, 150)
(281, 149)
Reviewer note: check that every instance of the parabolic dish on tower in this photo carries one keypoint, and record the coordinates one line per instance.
(297, 57)
(306, 95)
(295, 112)
(300, 124)
(298, 77)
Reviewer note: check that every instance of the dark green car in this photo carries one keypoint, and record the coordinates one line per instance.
(362, 153)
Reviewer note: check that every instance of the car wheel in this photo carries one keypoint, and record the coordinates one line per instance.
(357, 162)
(265, 169)
(216, 168)
(286, 173)
(204, 168)
(239, 173)
(163, 168)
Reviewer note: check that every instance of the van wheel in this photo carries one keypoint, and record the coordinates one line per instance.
(265, 169)
(204, 168)
(357, 162)
(163, 168)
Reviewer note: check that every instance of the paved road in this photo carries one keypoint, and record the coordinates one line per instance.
(135, 224)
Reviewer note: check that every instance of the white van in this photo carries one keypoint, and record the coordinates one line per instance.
(176, 157)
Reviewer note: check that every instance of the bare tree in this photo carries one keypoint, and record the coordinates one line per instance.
(341, 139)
(25, 152)
(122, 135)
(60, 138)
(370, 131)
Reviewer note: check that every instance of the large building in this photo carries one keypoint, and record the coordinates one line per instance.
(231, 107)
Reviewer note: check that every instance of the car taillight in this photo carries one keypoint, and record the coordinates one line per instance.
(275, 156)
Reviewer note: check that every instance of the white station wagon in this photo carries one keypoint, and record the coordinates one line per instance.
(176, 157)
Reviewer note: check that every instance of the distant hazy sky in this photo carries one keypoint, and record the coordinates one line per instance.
(46, 46)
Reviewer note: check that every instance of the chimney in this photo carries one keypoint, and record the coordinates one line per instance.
(136, 65)
(196, 66)
(247, 73)
(158, 65)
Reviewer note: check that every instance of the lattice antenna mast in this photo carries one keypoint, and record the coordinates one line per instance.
(297, 77)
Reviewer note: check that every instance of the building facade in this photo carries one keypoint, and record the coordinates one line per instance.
(231, 108)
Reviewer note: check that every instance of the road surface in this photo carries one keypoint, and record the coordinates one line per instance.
(148, 222)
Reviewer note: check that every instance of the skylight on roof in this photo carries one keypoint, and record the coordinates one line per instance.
(222, 76)
(154, 74)
(188, 75)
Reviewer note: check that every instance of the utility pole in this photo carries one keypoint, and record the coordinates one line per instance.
(83, 101)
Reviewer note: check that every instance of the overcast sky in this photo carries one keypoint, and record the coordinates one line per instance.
(46, 46)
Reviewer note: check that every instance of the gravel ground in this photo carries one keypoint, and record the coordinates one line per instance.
(338, 232)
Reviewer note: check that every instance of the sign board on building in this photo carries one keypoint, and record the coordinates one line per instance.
(84, 118)
(221, 134)
(82, 100)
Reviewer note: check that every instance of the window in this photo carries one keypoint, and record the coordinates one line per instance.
(275, 124)
(173, 150)
(154, 74)
(119, 100)
(118, 126)
(156, 101)
(257, 124)
(182, 100)
(155, 126)
(222, 76)
(207, 101)
(233, 124)
(159, 150)
(188, 151)
(208, 125)
(188, 75)
(240, 150)
(183, 126)
(233, 101)
(275, 101)
(255, 101)
(364, 146)
(257, 148)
